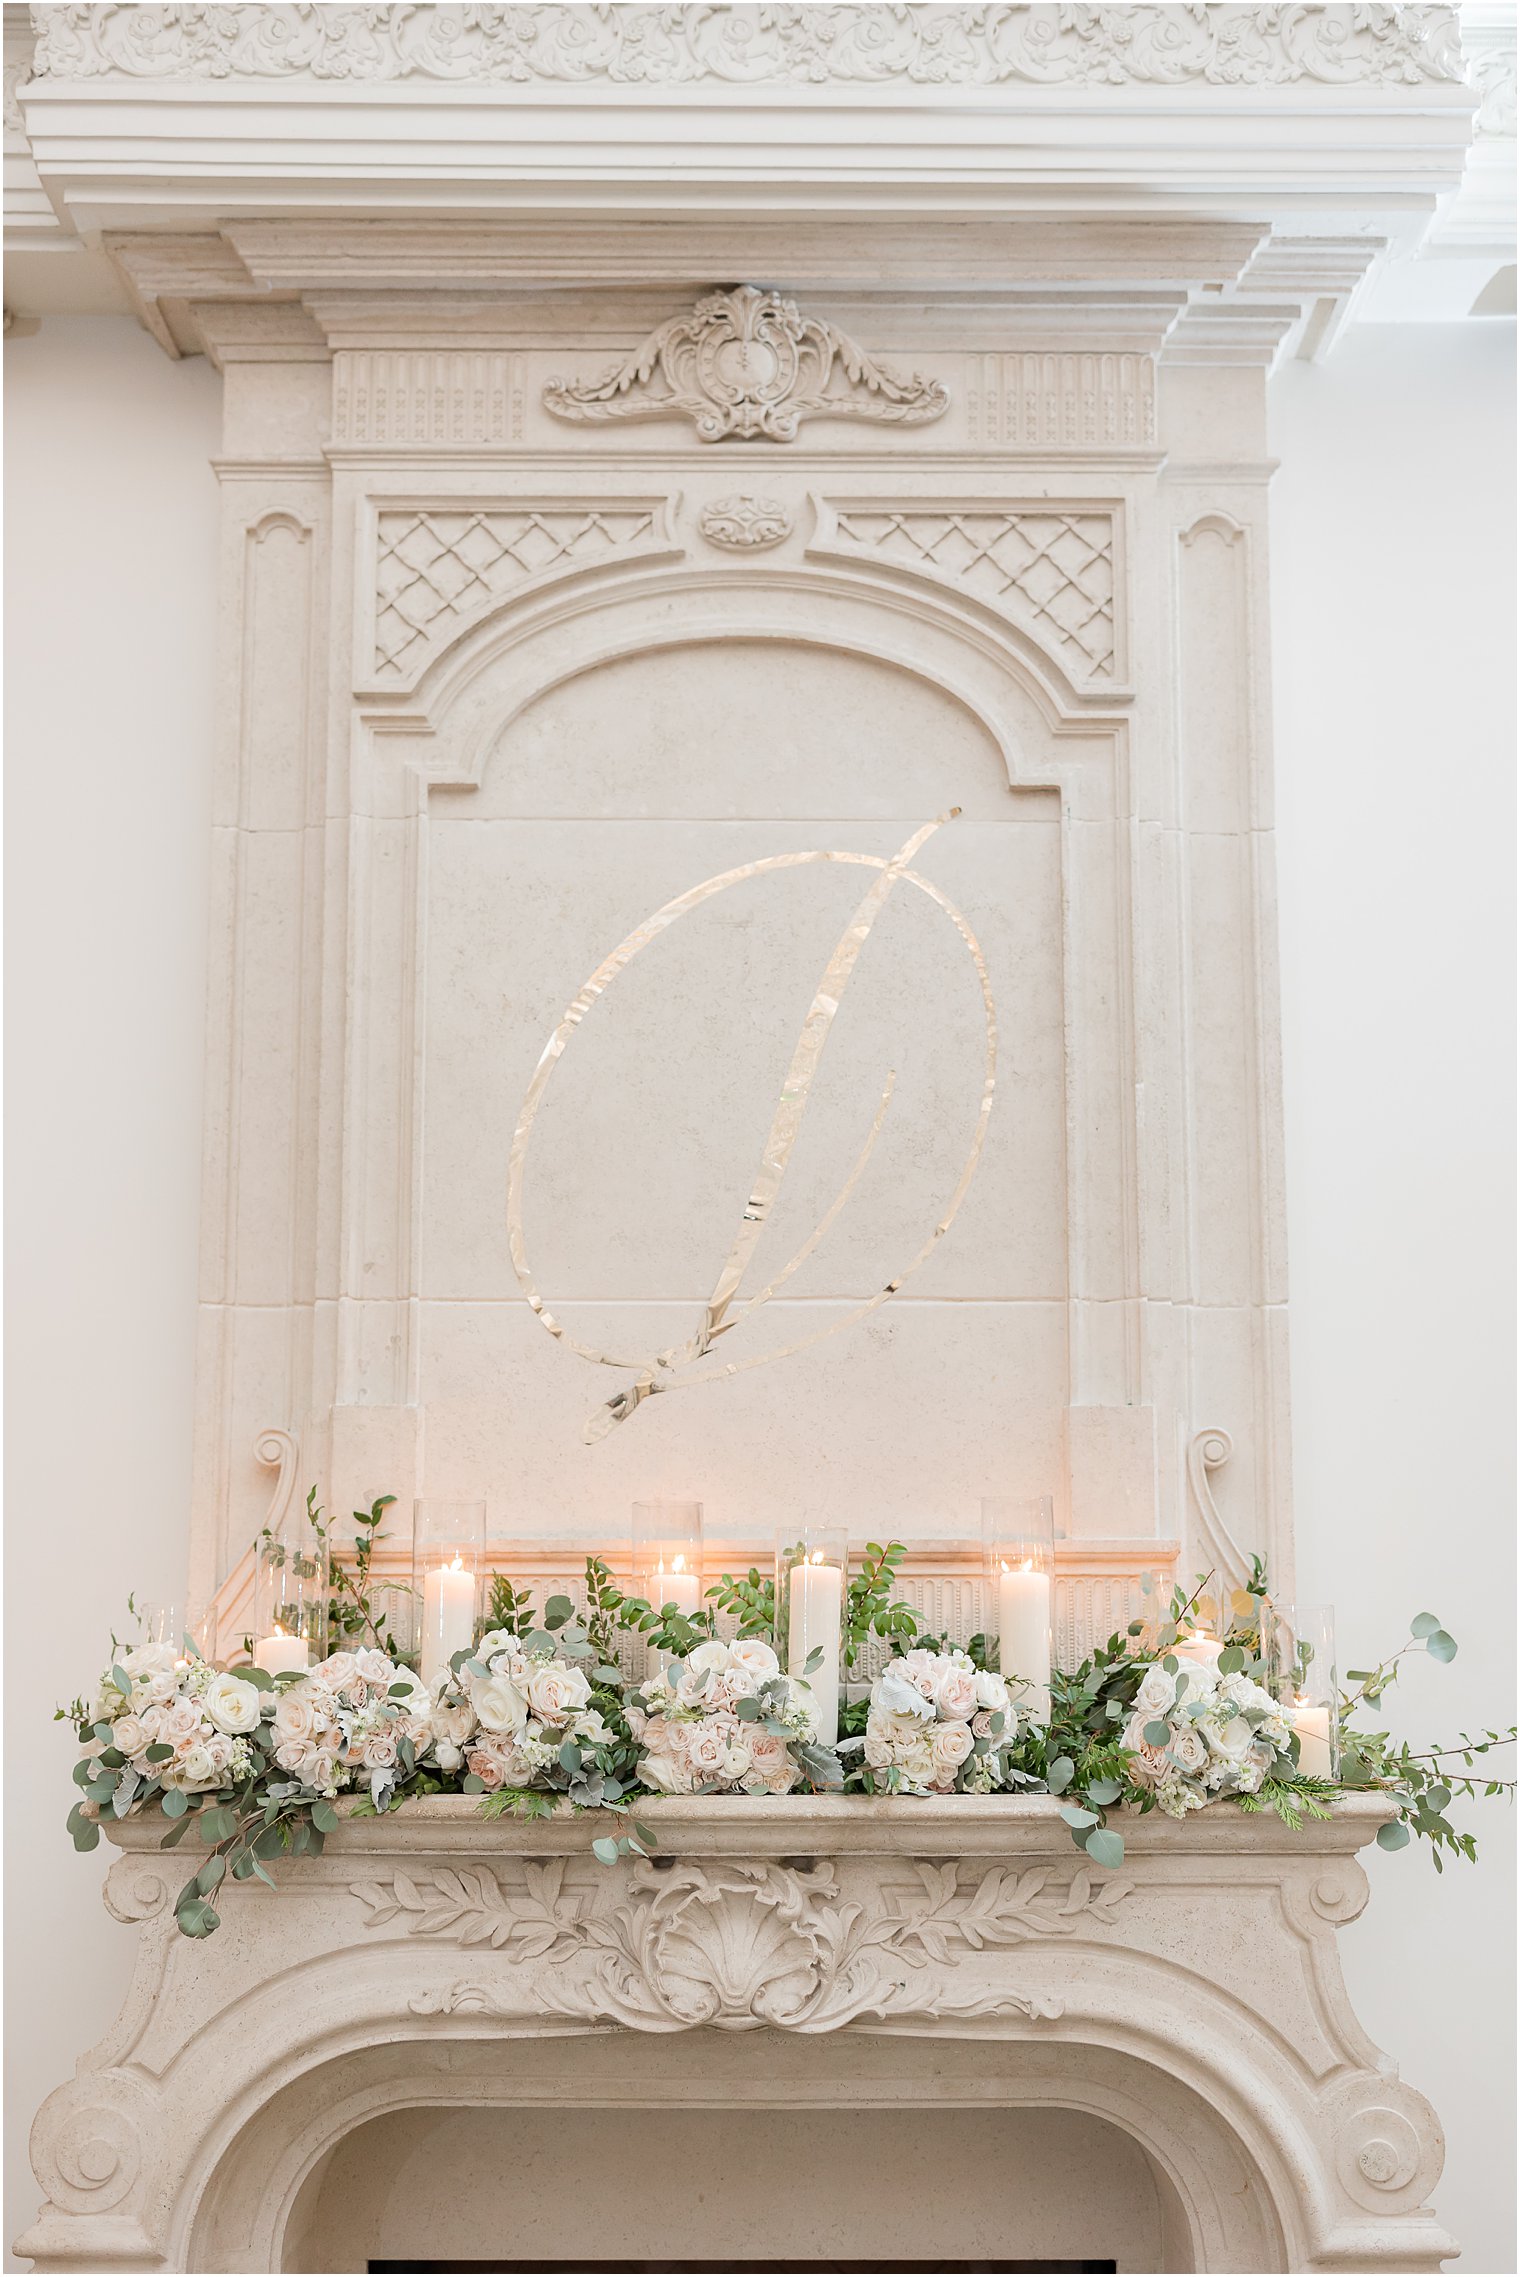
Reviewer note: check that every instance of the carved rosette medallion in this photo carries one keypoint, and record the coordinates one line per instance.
(736, 1945)
(747, 524)
(748, 366)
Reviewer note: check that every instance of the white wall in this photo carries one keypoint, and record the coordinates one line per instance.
(110, 526)
(1393, 627)
(1393, 609)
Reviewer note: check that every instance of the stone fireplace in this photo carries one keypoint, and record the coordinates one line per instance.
(654, 441)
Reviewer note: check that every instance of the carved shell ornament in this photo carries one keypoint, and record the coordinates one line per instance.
(748, 366)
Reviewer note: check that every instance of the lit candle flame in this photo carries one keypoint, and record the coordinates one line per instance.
(458, 1564)
(816, 1558)
(678, 1563)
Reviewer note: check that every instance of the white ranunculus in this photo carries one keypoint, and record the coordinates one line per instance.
(498, 1704)
(232, 1704)
(451, 1724)
(556, 1692)
(1232, 1742)
(448, 1755)
(197, 1767)
(900, 1696)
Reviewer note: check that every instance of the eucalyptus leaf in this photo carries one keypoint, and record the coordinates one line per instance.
(1423, 1625)
(748, 1711)
(1231, 1660)
(1105, 1847)
(1393, 1836)
(1440, 1646)
(1058, 1775)
(1157, 1734)
(1074, 1815)
(1103, 1790)
(86, 1831)
(605, 1848)
(174, 1804)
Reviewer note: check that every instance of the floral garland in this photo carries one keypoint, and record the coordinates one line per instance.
(536, 1715)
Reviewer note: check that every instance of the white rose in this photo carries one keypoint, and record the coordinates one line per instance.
(991, 1692)
(498, 1704)
(950, 1745)
(129, 1734)
(957, 1694)
(666, 1774)
(180, 1723)
(375, 1668)
(1148, 1764)
(923, 1671)
(769, 1754)
(295, 1717)
(1154, 1697)
(1189, 1751)
(556, 1692)
(754, 1658)
(707, 1753)
(380, 1751)
(339, 1672)
(448, 1755)
(900, 1696)
(232, 1704)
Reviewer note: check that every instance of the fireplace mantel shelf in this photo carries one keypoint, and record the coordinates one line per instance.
(837, 1826)
(1194, 1996)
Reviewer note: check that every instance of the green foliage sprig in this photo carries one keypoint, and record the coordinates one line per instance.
(871, 1610)
(350, 1611)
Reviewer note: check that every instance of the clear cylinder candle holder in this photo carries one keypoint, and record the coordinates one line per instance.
(1018, 1548)
(812, 1569)
(667, 1555)
(448, 1560)
(1298, 1644)
(289, 1604)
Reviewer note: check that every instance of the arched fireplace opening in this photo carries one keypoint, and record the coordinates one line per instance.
(720, 2147)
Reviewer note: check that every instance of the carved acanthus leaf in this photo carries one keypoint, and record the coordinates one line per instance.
(748, 364)
(737, 1945)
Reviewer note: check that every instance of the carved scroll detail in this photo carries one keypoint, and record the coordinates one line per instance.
(748, 364)
(1207, 1450)
(736, 1945)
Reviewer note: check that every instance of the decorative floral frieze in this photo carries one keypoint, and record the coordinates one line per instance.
(1051, 571)
(435, 567)
(801, 46)
(736, 1945)
(749, 365)
(747, 524)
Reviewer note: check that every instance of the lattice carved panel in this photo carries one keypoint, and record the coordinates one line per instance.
(1050, 570)
(437, 567)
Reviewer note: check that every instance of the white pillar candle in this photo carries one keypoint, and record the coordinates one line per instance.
(675, 1584)
(1312, 1724)
(814, 1619)
(1200, 1648)
(448, 1617)
(282, 1655)
(1024, 1636)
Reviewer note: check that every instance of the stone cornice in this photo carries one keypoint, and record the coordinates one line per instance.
(809, 47)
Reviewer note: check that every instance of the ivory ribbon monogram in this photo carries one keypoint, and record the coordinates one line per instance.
(677, 1368)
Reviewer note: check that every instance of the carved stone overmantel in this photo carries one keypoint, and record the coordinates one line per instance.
(1194, 1997)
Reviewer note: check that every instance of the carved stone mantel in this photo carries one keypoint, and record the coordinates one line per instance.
(1194, 1997)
